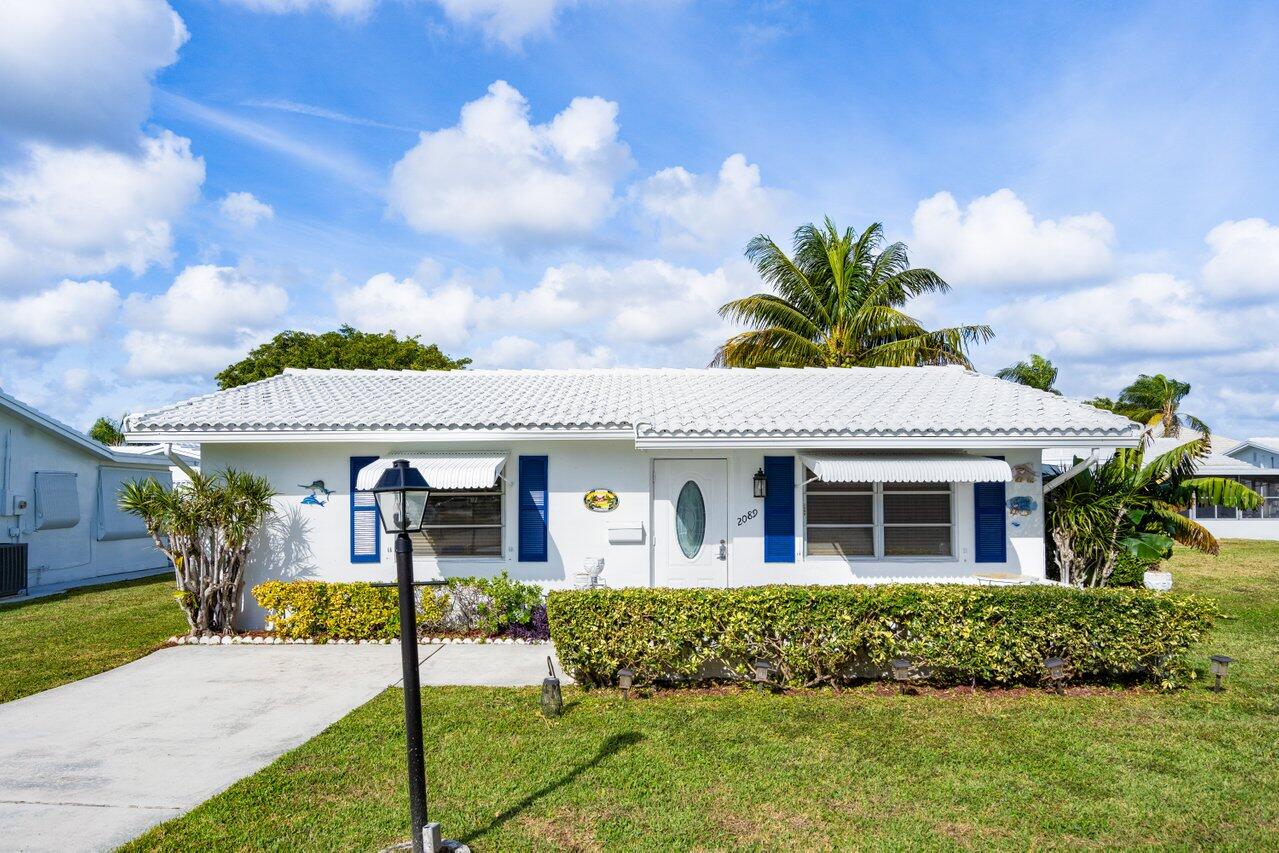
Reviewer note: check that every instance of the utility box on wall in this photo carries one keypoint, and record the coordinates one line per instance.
(13, 569)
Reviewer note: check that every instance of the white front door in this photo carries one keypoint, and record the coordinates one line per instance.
(690, 522)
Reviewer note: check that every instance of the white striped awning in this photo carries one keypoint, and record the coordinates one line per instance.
(440, 470)
(907, 468)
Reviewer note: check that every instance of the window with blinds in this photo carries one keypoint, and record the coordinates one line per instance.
(462, 524)
(871, 520)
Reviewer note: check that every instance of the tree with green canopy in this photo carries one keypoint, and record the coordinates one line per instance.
(347, 348)
(837, 302)
(206, 528)
(1135, 505)
(1154, 401)
(1036, 372)
(108, 431)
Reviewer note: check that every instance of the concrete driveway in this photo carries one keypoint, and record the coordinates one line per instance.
(90, 765)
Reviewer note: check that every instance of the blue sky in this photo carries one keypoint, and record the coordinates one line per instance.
(548, 183)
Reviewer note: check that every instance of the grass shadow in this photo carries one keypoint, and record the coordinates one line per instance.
(612, 745)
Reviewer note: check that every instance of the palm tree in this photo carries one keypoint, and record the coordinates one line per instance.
(1154, 400)
(108, 431)
(837, 303)
(1038, 372)
(1129, 503)
(205, 527)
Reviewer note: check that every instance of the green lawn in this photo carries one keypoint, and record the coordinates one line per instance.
(864, 768)
(49, 641)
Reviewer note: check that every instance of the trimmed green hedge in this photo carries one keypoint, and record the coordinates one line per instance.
(339, 611)
(829, 634)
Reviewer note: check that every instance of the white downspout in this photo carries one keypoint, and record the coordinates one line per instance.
(177, 460)
(1073, 471)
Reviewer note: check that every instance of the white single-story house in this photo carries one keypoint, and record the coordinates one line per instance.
(866, 475)
(1255, 463)
(60, 526)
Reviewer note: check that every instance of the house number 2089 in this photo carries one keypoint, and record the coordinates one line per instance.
(742, 519)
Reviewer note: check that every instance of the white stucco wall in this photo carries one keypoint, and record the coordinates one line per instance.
(313, 542)
(1242, 528)
(72, 555)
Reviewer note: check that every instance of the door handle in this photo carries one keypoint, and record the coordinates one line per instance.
(723, 550)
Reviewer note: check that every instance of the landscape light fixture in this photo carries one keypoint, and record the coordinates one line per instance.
(552, 697)
(760, 482)
(1220, 663)
(763, 671)
(1057, 672)
(625, 680)
(901, 672)
(401, 494)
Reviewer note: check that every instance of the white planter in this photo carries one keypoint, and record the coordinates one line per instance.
(1160, 581)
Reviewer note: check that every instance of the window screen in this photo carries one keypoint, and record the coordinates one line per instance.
(839, 518)
(878, 519)
(57, 500)
(463, 524)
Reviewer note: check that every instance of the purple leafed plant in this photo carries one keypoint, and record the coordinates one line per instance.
(537, 627)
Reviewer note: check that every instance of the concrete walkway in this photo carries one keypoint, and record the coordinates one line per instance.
(90, 765)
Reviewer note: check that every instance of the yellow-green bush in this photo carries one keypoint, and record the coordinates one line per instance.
(828, 634)
(340, 611)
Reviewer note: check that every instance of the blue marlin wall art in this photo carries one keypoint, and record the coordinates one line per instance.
(319, 494)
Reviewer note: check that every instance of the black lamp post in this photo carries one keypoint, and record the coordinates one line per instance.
(401, 493)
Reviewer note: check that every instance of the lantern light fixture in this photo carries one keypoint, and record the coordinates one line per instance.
(552, 696)
(763, 671)
(401, 494)
(760, 482)
(1056, 671)
(625, 680)
(1220, 663)
(901, 672)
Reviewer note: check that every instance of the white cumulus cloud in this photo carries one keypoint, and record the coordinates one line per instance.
(700, 212)
(441, 314)
(72, 312)
(209, 317)
(505, 21)
(342, 8)
(996, 241)
(497, 177)
(244, 209)
(513, 351)
(75, 72)
(87, 211)
(1245, 260)
(648, 311)
(1150, 314)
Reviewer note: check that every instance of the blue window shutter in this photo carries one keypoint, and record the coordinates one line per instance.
(988, 523)
(779, 509)
(532, 518)
(366, 530)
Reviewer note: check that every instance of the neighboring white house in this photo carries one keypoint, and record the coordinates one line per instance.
(870, 475)
(59, 523)
(1255, 463)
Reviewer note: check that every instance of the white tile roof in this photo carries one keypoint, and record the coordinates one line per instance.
(836, 402)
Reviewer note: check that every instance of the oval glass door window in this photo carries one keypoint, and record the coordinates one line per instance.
(690, 519)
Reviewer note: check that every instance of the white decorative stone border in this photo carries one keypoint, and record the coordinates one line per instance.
(257, 640)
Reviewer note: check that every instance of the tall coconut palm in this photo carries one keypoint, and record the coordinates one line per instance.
(1154, 401)
(836, 302)
(1037, 372)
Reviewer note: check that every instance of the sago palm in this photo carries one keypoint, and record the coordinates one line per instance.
(837, 302)
(1037, 372)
